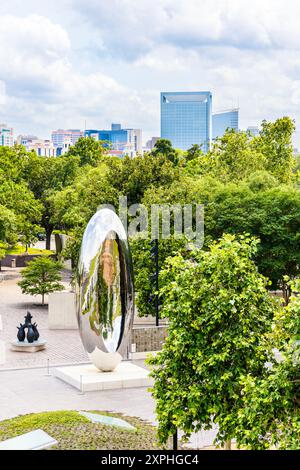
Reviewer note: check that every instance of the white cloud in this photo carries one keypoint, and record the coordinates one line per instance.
(44, 86)
(132, 28)
(71, 60)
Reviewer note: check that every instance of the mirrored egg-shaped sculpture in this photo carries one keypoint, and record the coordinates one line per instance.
(104, 290)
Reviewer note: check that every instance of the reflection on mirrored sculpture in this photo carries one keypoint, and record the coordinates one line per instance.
(104, 290)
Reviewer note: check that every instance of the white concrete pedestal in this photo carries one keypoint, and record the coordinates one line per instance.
(62, 311)
(88, 378)
(24, 346)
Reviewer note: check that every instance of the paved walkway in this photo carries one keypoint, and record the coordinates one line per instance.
(63, 346)
(24, 383)
(33, 391)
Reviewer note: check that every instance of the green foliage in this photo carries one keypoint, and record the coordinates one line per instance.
(270, 416)
(133, 176)
(144, 267)
(163, 147)
(219, 312)
(41, 276)
(275, 143)
(88, 150)
(74, 206)
(8, 226)
(233, 157)
(194, 152)
(258, 205)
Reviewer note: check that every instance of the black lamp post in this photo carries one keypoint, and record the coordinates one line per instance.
(154, 255)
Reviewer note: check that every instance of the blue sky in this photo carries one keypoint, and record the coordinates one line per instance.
(65, 62)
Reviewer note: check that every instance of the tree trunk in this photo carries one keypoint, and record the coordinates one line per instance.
(286, 291)
(43, 298)
(48, 238)
(228, 445)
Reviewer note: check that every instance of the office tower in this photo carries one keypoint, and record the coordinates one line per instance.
(224, 120)
(119, 141)
(6, 136)
(186, 118)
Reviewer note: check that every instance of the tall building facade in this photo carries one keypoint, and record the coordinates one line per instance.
(186, 118)
(6, 136)
(225, 120)
(120, 141)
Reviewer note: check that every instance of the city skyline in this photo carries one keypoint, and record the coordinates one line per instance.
(103, 62)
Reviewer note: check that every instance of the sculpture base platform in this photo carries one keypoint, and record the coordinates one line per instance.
(88, 378)
(24, 346)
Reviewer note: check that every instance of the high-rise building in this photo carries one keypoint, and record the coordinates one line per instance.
(150, 144)
(119, 141)
(253, 131)
(62, 136)
(186, 118)
(224, 120)
(6, 136)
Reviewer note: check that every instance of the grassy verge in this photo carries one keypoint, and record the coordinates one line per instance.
(73, 431)
(20, 250)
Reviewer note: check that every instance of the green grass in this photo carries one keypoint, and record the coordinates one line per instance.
(73, 431)
(19, 250)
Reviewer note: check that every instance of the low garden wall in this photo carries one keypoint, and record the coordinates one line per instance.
(148, 338)
(19, 261)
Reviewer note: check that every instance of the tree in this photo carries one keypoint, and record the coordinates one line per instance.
(88, 150)
(41, 276)
(193, 152)
(270, 416)
(219, 312)
(164, 147)
(133, 176)
(46, 176)
(232, 158)
(275, 143)
(272, 214)
(8, 231)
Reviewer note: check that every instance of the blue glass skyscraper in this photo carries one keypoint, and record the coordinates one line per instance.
(186, 118)
(225, 120)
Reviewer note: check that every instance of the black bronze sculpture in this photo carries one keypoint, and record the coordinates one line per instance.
(32, 331)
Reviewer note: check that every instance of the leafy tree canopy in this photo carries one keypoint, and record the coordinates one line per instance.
(41, 276)
(219, 313)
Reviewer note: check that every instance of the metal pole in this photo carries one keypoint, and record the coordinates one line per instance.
(81, 386)
(48, 368)
(156, 284)
(175, 440)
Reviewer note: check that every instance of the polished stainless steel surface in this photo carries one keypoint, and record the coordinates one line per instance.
(104, 289)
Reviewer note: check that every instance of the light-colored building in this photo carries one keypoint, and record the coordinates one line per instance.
(150, 144)
(43, 148)
(6, 136)
(119, 141)
(253, 131)
(223, 120)
(62, 137)
(24, 139)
